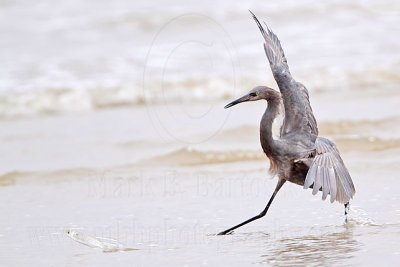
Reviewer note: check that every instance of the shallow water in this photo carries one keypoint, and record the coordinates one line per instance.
(169, 198)
(94, 139)
(172, 214)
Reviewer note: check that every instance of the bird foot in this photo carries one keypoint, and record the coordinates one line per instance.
(226, 232)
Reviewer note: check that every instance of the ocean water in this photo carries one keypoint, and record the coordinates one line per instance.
(112, 124)
(77, 56)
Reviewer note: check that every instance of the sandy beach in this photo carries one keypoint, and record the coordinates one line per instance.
(169, 198)
(105, 131)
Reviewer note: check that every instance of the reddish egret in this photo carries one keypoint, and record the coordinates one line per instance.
(299, 155)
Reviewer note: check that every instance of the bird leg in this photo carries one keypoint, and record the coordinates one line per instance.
(346, 210)
(262, 214)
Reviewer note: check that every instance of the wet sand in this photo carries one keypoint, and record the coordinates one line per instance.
(167, 189)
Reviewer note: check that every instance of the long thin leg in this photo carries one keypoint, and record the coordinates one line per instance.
(346, 210)
(262, 214)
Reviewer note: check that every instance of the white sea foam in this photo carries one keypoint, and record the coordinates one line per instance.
(90, 55)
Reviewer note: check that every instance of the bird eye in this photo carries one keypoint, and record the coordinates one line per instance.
(253, 94)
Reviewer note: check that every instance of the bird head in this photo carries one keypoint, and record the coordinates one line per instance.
(257, 93)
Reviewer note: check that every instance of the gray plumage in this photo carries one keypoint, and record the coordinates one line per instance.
(299, 155)
(328, 173)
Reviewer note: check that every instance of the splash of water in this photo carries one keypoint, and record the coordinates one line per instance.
(359, 217)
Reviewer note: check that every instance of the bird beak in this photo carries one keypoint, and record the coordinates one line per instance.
(239, 100)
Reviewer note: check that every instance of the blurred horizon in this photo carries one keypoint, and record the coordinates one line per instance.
(81, 56)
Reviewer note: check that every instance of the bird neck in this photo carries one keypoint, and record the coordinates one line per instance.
(268, 143)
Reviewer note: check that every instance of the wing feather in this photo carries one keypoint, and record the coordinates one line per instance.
(310, 176)
(325, 183)
(331, 175)
(317, 180)
(332, 184)
(299, 116)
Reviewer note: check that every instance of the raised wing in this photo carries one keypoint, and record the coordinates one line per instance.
(328, 172)
(298, 113)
